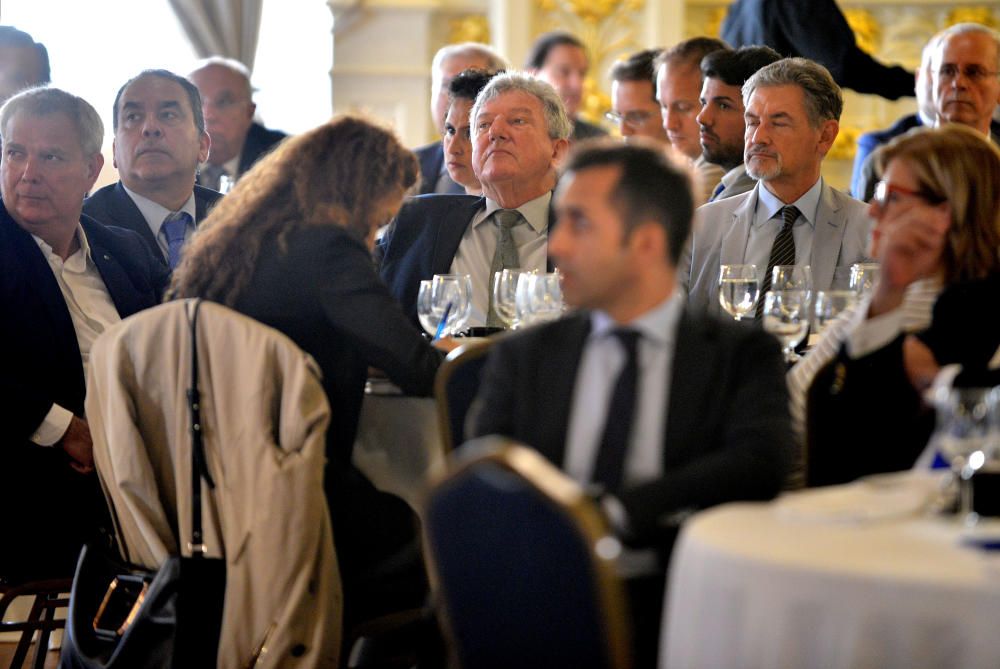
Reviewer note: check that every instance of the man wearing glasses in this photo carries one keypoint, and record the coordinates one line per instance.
(965, 68)
(634, 108)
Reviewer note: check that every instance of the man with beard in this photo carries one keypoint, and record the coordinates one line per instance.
(721, 118)
(791, 216)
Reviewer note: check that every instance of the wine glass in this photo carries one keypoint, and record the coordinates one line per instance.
(786, 316)
(863, 277)
(830, 304)
(545, 297)
(966, 434)
(451, 297)
(738, 288)
(792, 277)
(505, 295)
(522, 301)
(429, 319)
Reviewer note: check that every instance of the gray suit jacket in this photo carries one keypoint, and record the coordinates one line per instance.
(722, 228)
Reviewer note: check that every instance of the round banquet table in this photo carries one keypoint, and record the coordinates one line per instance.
(855, 576)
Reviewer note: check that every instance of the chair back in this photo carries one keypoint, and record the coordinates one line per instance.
(455, 388)
(522, 565)
(264, 416)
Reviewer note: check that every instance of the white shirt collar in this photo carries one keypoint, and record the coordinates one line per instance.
(657, 325)
(535, 212)
(768, 204)
(154, 213)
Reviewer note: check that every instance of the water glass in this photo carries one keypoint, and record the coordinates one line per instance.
(505, 295)
(738, 289)
(863, 277)
(545, 297)
(429, 319)
(792, 277)
(830, 304)
(451, 296)
(966, 434)
(786, 316)
(522, 301)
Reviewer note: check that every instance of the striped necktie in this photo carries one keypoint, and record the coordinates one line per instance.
(782, 253)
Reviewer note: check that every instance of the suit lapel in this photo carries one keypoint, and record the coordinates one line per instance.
(126, 214)
(562, 362)
(549, 265)
(450, 230)
(734, 241)
(693, 366)
(827, 238)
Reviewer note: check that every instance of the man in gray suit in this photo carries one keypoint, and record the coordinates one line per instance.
(792, 115)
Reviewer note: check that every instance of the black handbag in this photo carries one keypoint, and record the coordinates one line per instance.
(123, 616)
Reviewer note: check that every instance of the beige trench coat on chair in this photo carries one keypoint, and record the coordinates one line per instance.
(265, 417)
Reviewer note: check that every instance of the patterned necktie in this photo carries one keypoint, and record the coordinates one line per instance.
(505, 256)
(782, 253)
(173, 228)
(610, 467)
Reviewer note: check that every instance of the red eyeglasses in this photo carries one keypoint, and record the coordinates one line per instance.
(887, 193)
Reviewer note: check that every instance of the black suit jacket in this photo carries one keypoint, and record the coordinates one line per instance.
(423, 240)
(819, 31)
(43, 366)
(728, 433)
(259, 141)
(111, 205)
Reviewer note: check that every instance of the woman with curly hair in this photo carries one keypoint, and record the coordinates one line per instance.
(290, 247)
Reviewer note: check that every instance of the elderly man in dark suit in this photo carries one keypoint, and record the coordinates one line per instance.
(667, 411)
(227, 101)
(65, 279)
(160, 139)
(519, 133)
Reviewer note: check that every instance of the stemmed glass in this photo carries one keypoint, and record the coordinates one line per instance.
(966, 433)
(522, 299)
(545, 297)
(738, 288)
(830, 304)
(505, 295)
(786, 316)
(792, 277)
(429, 319)
(451, 298)
(863, 277)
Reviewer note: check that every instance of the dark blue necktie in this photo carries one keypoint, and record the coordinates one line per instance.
(174, 227)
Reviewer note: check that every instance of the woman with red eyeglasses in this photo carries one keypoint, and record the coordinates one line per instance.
(856, 396)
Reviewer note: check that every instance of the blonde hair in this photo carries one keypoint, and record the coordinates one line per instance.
(957, 164)
(336, 174)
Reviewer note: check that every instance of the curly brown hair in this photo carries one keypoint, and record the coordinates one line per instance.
(957, 164)
(337, 174)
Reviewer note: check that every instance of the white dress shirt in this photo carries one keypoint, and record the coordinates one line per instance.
(155, 213)
(475, 252)
(602, 360)
(92, 310)
(767, 223)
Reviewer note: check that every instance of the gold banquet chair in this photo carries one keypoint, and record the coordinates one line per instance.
(521, 565)
(46, 597)
(455, 388)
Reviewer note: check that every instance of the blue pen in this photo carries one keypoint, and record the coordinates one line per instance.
(443, 322)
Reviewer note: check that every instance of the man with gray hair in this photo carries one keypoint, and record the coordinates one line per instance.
(160, 139)
(448, 62)
(66, 278)
(791, 217)
(228, 107)
(519, 136)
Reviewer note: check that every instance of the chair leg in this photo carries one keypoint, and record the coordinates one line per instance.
(42, 648)
(21, 652)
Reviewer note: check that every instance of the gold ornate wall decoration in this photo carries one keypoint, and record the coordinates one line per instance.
(607, 28)
(471, 28)
(867, 31)
(983, 15)
(846, 144)
(713, 25)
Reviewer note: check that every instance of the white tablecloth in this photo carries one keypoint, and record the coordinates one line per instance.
(399, 443)
(853, 576)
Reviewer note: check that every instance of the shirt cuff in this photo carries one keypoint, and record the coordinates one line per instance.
(53, 427)
(866, 335)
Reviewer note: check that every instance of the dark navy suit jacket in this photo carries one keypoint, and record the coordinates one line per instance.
(431, 159)
(259, 141)
(112, 205)
(43, 366)
(423, 240)
(727, 437)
